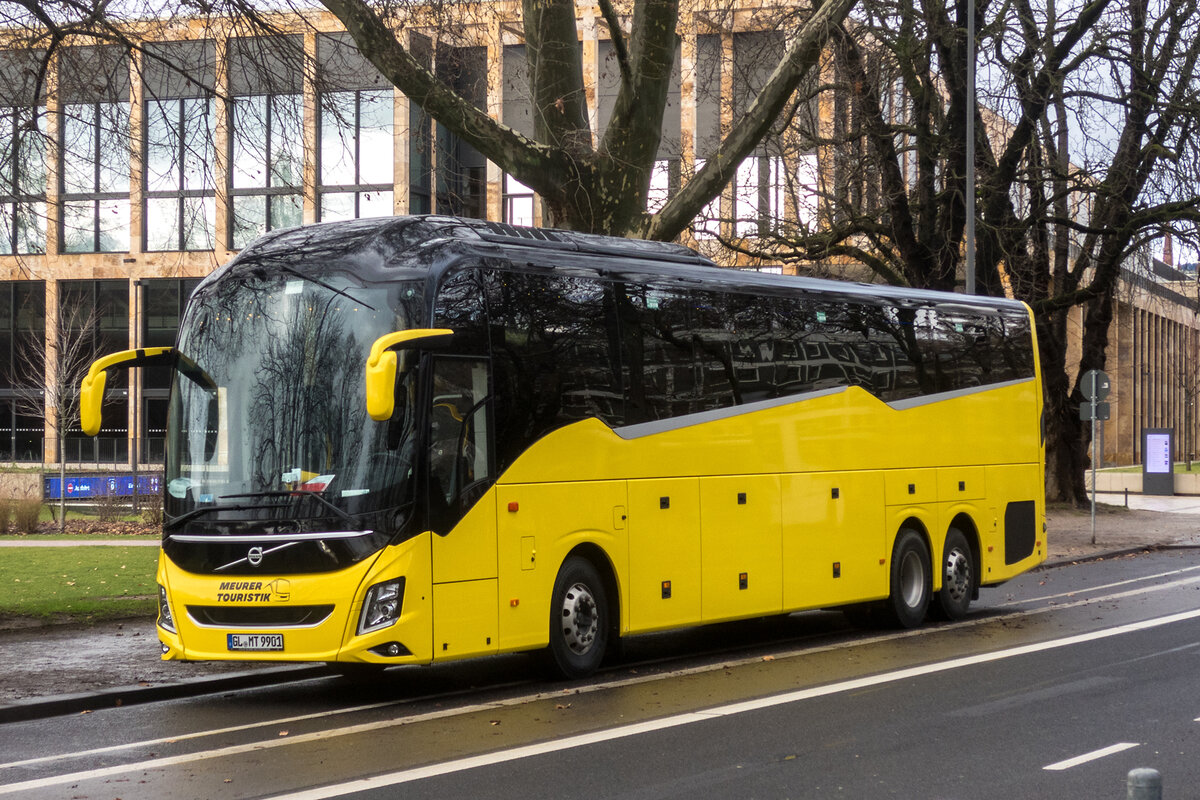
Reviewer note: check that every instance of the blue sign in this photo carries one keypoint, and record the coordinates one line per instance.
(84, 487)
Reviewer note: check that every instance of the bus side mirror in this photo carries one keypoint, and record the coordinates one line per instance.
(381, 368)
(91, 390)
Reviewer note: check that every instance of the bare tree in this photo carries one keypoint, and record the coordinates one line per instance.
(1085, 152)
(599, 186)
(47, 376)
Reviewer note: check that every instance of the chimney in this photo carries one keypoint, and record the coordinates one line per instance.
(1168, 256)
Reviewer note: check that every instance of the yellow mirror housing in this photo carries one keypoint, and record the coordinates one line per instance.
(381, 368)
(91, 390)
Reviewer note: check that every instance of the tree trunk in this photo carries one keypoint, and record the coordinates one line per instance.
(1065, 447)
(62, 488)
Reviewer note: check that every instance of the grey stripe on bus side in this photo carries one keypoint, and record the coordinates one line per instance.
(686, 421)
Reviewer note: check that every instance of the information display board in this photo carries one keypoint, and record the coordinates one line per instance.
(1158, 467)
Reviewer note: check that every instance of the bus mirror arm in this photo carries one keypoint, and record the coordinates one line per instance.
(91, 390)
(381, 367)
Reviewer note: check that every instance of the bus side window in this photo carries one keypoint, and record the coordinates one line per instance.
(459, 450)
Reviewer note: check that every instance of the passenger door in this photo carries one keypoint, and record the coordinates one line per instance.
(460, 465)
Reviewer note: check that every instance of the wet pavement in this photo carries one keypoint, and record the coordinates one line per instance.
(54, 669)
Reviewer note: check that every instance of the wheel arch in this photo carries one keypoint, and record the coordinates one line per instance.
(915, 523)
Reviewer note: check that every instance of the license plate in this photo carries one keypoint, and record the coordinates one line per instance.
(255, 641)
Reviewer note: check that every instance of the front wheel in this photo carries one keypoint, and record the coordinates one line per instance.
(911, 585)
(579, 619)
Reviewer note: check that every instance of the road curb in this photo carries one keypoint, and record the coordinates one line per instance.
(1062, 561)
(41, 707)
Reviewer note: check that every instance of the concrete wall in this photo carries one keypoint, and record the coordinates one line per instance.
(20, 485)
(1132, 481)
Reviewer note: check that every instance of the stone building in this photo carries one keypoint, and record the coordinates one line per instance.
(142, 172)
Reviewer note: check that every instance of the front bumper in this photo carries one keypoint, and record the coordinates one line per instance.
(317, 615)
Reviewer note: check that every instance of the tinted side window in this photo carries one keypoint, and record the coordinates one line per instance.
(460, 306)
(658, 352)
(554, 356)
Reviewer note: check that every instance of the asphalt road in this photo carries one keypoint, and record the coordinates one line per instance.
(1058, 685)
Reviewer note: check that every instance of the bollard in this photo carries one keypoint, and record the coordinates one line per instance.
(1127, 497)
(1144, 784)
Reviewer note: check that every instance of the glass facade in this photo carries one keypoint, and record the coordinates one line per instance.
(267, 131)
(142, 189)
(356, 150)
(22, 155)
(162, 302)
(180, 130)
(95, 147)
(96, 315)
(22, 370)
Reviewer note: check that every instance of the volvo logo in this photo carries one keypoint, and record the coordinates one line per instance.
(255, 556)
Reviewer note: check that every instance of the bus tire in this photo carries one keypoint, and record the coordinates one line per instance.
(579, 619)
(910, 580)
(958, 577)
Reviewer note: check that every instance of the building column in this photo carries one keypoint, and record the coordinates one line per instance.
(136, 317)
(1124, 406)
(310, 126)
(401, 145)
(590, 42)
(50, 448)
(689, 55)
(728, 194)
(53, 171)
(221, 143)
(494, 182)
(137, 155)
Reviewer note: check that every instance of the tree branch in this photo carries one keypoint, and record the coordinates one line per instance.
(749, 130)
(539, 166)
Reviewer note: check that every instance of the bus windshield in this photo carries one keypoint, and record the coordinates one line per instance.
(267, 406)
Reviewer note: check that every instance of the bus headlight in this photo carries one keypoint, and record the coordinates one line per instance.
(381, 607)
(164, 611)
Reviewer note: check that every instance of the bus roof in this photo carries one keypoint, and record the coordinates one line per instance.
(387, 248)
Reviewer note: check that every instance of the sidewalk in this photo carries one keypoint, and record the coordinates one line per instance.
(1148, 522)
(111, 663)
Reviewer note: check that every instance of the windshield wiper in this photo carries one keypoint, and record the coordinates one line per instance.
(321, 283)
(199, 512)
(292, 493)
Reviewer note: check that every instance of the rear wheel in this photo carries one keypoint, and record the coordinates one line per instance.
(579, 619)
(958, 577)
(911, 585)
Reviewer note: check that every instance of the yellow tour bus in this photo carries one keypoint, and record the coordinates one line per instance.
(409, 440)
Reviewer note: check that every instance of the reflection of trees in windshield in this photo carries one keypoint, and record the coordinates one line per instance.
(304, 426)
(287, 358)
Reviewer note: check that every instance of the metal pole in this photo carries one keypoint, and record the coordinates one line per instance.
(1143, 784)
(1093, 469)
(135, 379)
(970, 178)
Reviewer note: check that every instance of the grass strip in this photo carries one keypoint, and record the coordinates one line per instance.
(88, 583)
(17, 538)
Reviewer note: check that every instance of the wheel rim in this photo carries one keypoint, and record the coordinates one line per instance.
(580, 618)
(957, 581)
(912, 579)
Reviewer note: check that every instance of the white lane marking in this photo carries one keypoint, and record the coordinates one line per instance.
(1119, 747)
(405, 776)
(624, 682)
(1100, 588)
(183, 737)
